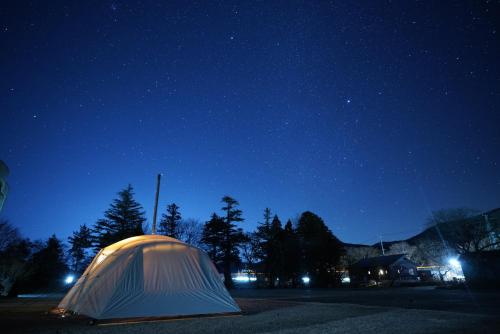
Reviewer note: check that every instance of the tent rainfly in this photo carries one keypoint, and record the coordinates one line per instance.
(149, 276)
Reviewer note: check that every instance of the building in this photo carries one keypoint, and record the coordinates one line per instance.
(391, 269)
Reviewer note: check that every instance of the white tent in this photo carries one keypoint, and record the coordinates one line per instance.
(149, 276)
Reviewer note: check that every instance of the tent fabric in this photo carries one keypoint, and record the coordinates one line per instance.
(149, 276)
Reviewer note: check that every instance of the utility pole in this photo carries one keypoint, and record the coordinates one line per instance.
(382, 246)
(156, 203)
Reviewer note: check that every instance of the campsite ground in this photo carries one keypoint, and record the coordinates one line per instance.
(408, 310)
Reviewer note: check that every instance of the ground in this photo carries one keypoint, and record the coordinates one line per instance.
(398, 310)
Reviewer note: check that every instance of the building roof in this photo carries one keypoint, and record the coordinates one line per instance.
(378, 261)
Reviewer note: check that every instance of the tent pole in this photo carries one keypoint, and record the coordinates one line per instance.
(156, 203)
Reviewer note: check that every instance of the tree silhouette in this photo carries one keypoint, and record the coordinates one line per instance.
(321, 250)
(232, 237)
(124, 219)
(169, 224)
(80, 241)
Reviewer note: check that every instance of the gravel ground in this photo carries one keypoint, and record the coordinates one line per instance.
(260, 315)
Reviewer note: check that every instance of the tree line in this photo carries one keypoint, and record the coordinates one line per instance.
(281, 254)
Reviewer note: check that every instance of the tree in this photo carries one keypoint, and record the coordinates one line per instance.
(292, 252)
(190, 231)
(8, 234)
(232, 237)
(264, 234)
(464, 232)
(435, 253)
(251, 250)
(321, 250)
(124, 219)
(354, 254)
(276, 255)
(80, 242)
(212, 237)
(14, 254)
(449, 215)
(169, 224)
(403, 247)
(45, 269)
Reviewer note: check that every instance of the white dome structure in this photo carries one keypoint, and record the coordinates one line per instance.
(149, 276)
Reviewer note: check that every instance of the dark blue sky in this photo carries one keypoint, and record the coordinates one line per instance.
(369, 114)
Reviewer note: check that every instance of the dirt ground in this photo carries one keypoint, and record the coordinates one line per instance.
(292, 311)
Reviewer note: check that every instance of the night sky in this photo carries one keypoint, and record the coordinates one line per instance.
(370, 114)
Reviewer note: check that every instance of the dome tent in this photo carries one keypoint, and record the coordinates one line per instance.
(149, 276)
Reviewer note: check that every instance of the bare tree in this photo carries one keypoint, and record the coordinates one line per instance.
(190, 231)
(14, 253)
(354, 254)
(464, 230)
(8, 234)
(434, 253)
(450, 215)
(403, 247)
(250, 250)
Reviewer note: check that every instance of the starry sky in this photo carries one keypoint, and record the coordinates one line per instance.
(369, 113)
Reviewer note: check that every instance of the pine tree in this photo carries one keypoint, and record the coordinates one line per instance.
(232, 237)
(276, 255)
(212, 236)
(124, 219)
(265, 233)
(291, 249)
(46, 268)
(169, 224)
(80, 241)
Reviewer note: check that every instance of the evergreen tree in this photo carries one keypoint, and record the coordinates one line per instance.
(169, 224)
(46, 269)
(232, 237)
(270, 234)
(124, 219)
(321, 250)
(276, 255)
(80, 241)
(292, 252)
(212, 236)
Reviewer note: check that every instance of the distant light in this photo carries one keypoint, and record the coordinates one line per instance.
(69, 279)
(346, 280)
(242, 278)
(348, 101)
(454, 263)
(306, 280)
(381, 272)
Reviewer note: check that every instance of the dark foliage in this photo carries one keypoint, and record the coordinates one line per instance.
(81, 242)
(14, 255)
(45, 269)
(320, 250)
(124, 219)
(232, 237)
(169, 224)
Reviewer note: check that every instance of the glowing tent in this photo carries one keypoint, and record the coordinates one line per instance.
(149, 276)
